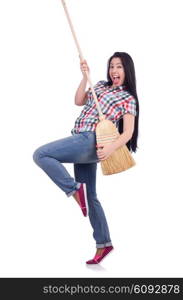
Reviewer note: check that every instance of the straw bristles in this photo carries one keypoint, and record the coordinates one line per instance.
(121, 159)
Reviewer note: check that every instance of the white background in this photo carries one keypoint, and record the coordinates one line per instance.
(42, 232)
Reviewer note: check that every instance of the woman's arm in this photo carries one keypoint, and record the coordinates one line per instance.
(128, 128)
(81, 94)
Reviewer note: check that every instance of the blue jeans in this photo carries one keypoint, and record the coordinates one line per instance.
(79, 149)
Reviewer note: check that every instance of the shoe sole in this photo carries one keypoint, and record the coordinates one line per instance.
(86, 199)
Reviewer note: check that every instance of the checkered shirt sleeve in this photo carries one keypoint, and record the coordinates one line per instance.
(129, 106)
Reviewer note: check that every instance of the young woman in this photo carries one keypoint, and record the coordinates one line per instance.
(119, 102)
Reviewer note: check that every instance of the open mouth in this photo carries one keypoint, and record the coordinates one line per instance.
(116, 79)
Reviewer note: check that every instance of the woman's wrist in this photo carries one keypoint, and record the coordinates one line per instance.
(84, 79)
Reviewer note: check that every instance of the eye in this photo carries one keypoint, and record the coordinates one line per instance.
(119, 67)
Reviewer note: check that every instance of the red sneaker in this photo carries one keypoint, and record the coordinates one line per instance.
(98, 258)
(83, 202)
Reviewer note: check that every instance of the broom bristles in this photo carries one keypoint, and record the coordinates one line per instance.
(121, 159)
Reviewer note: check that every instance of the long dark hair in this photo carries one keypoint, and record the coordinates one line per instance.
(130, 84)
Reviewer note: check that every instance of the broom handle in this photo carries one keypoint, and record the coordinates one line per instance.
(101, 116)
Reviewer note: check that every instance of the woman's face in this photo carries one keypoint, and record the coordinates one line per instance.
(116, 71)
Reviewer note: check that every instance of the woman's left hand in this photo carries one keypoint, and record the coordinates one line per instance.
(105, 152)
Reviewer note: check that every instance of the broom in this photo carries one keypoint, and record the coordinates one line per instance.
(106, 132)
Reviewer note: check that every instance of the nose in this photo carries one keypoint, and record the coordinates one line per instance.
(114, 71)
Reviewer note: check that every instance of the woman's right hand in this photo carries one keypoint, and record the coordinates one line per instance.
(84, 67)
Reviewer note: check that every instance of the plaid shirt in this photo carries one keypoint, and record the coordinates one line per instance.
(114, 103)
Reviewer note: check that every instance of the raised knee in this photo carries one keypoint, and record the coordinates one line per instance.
(37, 155)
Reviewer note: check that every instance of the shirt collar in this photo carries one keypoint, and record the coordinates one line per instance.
(118, 88)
